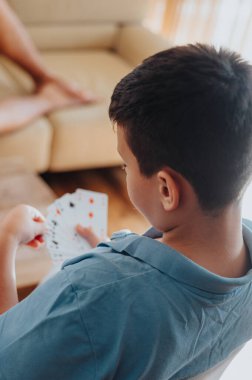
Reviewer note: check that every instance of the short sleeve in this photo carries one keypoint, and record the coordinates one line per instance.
(45, 337)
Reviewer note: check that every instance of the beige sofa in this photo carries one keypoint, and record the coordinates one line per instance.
(94, 43)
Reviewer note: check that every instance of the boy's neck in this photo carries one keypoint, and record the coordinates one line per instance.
(215, 243)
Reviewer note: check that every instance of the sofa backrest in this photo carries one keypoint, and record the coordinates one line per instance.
(68, 24)
(74, 11)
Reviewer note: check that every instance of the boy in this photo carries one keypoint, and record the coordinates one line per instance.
(174, 303)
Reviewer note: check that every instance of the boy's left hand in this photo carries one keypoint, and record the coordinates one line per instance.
(24, 225)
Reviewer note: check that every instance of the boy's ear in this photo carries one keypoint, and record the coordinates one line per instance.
(169, 189)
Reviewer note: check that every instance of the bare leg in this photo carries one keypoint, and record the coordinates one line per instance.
(16, 44)
(16, 112)
(51, 92)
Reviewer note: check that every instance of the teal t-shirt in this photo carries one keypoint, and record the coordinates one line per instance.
(131, 309)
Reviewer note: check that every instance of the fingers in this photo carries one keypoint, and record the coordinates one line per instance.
(88, 234)
(40, 239)
(38, 219)
(36, 242)
(36, 214)
(39, 228)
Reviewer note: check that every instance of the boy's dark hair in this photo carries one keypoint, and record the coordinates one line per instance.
(190, 108)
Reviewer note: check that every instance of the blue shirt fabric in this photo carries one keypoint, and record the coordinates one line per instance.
(131, 309)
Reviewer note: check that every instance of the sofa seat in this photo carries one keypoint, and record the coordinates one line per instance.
(83, 136)
(32, 144)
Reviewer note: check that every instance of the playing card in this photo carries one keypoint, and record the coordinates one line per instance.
(93, 211)
(84, 207)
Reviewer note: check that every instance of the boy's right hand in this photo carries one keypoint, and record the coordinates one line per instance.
(89, 235)
(24, 225)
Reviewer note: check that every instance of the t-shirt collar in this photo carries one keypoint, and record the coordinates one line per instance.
(175, 264)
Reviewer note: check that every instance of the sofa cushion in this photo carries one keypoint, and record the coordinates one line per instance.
(72, 11)
(58, 37)
(32, 143)
(135, 43)
(83, 135)
(83, 138)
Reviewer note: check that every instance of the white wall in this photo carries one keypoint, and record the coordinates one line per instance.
(241, 367)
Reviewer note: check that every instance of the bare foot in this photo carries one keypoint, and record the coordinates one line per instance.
(60, 94)
(74, 90)
(52, 94)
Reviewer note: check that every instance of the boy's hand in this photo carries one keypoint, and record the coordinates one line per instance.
(24, 225)
(89, 235)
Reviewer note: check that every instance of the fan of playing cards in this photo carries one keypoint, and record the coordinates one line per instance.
(87, 208)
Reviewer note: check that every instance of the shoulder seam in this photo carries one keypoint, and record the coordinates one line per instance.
(117, 281)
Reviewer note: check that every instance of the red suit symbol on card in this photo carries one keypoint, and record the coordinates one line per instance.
(91, 200)
(91, 215)
(58, 211)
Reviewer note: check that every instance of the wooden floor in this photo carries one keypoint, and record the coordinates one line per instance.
(121, 213)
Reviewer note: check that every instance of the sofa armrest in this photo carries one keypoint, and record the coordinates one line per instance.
(135, 43)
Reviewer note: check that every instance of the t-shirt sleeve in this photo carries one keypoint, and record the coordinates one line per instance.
(45, 336)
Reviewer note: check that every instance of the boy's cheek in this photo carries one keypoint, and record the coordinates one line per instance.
(137, 197)
(132, 191)
(139, 191)
(129, 191)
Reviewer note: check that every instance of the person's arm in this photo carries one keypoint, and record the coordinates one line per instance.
(8, 291)
(45, 335)
(22, 225)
